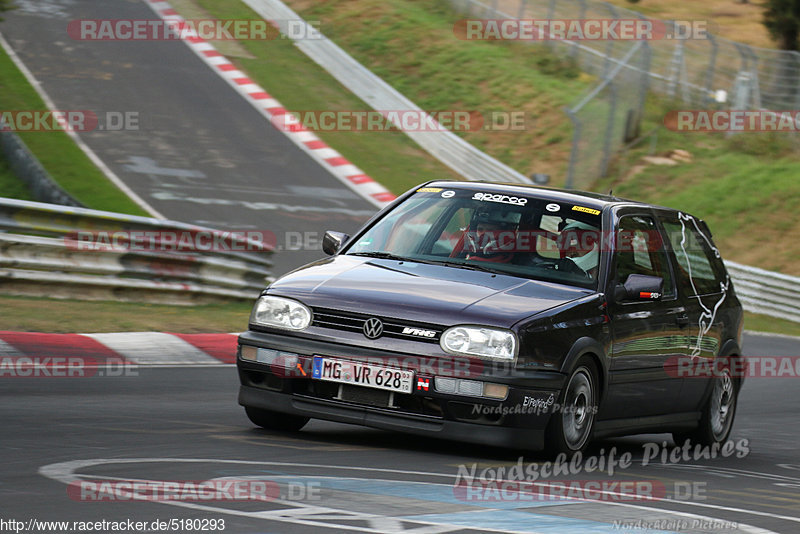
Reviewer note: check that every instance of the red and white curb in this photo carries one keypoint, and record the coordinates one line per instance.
(136, 348)
(273, 111)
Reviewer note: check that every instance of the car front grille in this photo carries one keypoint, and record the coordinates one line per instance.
(354, 322)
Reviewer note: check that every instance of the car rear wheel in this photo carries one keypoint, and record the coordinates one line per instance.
(718, 413)
(274, 420)
(570, 428)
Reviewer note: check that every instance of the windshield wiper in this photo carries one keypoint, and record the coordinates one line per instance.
(389, 256)
(471, 267)
(386, 256)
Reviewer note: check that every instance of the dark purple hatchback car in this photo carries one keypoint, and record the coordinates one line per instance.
(504, 314)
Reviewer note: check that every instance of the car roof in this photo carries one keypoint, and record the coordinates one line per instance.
(585, 198)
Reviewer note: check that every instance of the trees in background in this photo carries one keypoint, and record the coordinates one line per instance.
(782, 19)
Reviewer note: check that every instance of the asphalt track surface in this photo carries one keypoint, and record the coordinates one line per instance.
(182, 424)
(200, 143)
(200, 153)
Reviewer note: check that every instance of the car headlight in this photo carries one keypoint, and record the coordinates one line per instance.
(488, 343)
(280, 313)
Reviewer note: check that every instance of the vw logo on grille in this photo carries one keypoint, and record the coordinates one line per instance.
(373, 328)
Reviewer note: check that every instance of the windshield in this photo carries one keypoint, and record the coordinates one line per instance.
(516, 235)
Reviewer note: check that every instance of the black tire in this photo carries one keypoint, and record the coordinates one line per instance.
(570, 428)
(719, 411)
(274, 420)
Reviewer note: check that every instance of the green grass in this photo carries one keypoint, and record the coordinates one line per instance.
(744, 186)
(411, 45)
(301, 85)
(27, 314)
(30, 314)
(10, 185)
(764, 323)
(59, 155)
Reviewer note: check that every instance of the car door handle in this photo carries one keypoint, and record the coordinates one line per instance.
(682, 320)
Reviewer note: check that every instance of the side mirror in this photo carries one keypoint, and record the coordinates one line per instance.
(332, 242)
(640, 287)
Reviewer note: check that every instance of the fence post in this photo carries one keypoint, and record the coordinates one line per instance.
(796, 58)
(551, 12)
(574, 49)
(612, 110)
(712, 65)
(675, 68)
(644, 83)
(746, 81)
(755, 80)
(575, 152)
(609, 43)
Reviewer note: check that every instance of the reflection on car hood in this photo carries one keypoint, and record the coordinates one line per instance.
(420, 292)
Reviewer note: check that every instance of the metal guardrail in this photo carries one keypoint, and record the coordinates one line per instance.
(704, 72)
(52, 250)
(760, 291)
(444, 145)
(56, 266)
(766, 292)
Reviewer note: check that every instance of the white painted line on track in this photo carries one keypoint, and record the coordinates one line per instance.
(8, 350)
(75, 137)
(275, 113)
(65, 472)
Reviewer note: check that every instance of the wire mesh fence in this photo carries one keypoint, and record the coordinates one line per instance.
(608, 117)
(704, 71)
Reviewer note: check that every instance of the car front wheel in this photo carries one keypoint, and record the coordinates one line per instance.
(571, 426)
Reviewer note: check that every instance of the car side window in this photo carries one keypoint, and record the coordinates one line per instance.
(695, 259)
(639, 250)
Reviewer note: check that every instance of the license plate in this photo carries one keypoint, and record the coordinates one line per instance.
(362, 374)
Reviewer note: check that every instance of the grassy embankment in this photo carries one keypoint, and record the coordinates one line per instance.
(58, 154)
(411, 45)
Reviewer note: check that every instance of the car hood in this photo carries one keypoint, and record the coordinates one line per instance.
(421, 292)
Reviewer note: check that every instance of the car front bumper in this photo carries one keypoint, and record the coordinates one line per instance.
(518, 421)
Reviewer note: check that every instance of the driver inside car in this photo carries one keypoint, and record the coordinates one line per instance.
(579, 242)
(492, 236)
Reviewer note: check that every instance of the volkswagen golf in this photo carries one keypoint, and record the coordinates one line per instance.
(509, 315)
